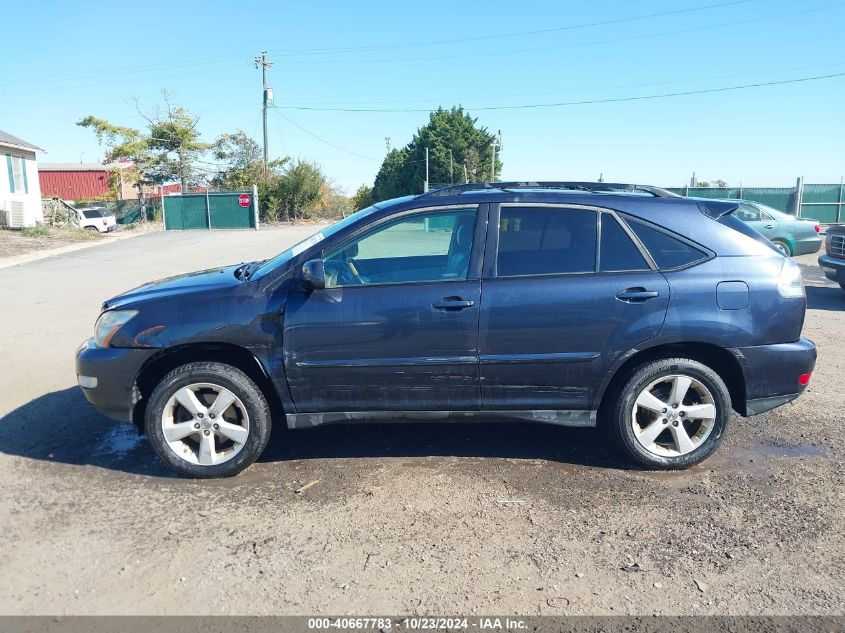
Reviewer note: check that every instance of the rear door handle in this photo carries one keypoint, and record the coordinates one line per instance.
(452, 303)
(637, 295)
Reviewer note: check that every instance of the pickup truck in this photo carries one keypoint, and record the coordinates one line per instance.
(833, 260)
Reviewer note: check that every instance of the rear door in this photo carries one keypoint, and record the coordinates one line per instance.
(396, 328)
(758, 220)
(566, 292)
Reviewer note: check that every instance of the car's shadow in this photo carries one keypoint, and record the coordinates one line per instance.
(825, 298)
(61, 427)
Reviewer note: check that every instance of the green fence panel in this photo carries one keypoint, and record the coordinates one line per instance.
(227, 213)
(824, 213)
(780, 198)
(185, 212)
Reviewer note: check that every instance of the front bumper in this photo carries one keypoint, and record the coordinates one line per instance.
(833, 268)
(107, 377)
(771, 373)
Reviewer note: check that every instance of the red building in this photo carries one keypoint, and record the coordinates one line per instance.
(82, 181)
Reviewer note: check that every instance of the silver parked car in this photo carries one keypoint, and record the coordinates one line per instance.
(791, 235)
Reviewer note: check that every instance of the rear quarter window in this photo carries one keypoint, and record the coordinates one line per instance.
(736, 224)
(667, 251)
(91, 215)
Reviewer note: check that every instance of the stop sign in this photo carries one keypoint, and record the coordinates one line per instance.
(244, 200)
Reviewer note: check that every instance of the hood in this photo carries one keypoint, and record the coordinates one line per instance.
(179, 285)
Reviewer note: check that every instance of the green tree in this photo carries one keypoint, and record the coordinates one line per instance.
(362, 198)
(167, 150)
(403, 170)
(299, 189)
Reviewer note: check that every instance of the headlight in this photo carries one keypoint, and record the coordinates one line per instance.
(109, 323)
(791, 283)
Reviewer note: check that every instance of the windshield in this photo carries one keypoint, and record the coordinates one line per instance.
(284, 257)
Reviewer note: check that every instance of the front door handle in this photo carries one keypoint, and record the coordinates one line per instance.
(452, 303)
(637, 295)
(768, 226)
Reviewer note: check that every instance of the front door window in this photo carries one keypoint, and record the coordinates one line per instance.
(417, 248)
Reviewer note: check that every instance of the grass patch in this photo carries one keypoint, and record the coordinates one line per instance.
(35, 231)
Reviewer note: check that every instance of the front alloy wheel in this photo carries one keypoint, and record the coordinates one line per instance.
(208, 420)
(205, 424)
(671, 413)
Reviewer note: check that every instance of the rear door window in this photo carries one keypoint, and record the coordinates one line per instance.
(748, 213)
(545, 241)
(667, 251)
(618, 252)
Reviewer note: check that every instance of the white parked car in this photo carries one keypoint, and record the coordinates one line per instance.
(96, 219)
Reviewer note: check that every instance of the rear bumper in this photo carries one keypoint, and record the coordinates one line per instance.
(833, 268)
(771, 373)
(107, 377)
(807, 245)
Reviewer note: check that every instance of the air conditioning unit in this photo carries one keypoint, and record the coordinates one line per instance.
(15, 214)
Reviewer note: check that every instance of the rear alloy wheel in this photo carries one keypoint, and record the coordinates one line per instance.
(208, 420)
(672, 413)
(783, 247)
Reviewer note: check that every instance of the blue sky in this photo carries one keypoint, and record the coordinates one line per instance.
(62, 61)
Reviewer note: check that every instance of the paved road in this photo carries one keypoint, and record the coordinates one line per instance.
(427, 519)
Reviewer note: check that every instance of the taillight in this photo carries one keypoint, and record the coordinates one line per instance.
(791, 283)
(818, 229)
(804, 379)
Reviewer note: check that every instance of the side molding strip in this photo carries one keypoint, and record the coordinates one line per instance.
(560, 417)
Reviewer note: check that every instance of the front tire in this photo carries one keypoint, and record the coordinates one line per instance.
(671, 413)
(208, 420)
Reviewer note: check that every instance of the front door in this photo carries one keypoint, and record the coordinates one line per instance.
(396, 327)
(566, 292)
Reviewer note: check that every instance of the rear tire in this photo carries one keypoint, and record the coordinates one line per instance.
(783, 247)
(671, 413)
(208, 420)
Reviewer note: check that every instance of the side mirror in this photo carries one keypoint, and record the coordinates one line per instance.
(313, 275)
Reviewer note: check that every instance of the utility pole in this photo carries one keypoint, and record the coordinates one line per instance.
(425, 187)
(261, 62)
(497, 142)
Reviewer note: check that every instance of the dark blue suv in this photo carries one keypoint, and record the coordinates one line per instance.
(561, 303)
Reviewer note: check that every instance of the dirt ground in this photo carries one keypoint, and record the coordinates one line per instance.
(14, 242)
(427, 519)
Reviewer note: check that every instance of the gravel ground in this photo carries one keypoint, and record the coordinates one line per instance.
(422, 519)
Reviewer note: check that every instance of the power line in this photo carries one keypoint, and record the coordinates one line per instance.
(322, 140)
(192, 63)
(576, 90)
(613, 40)
(585, 102)
(478, 38)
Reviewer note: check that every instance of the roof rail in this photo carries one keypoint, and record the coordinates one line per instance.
(594, 187)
